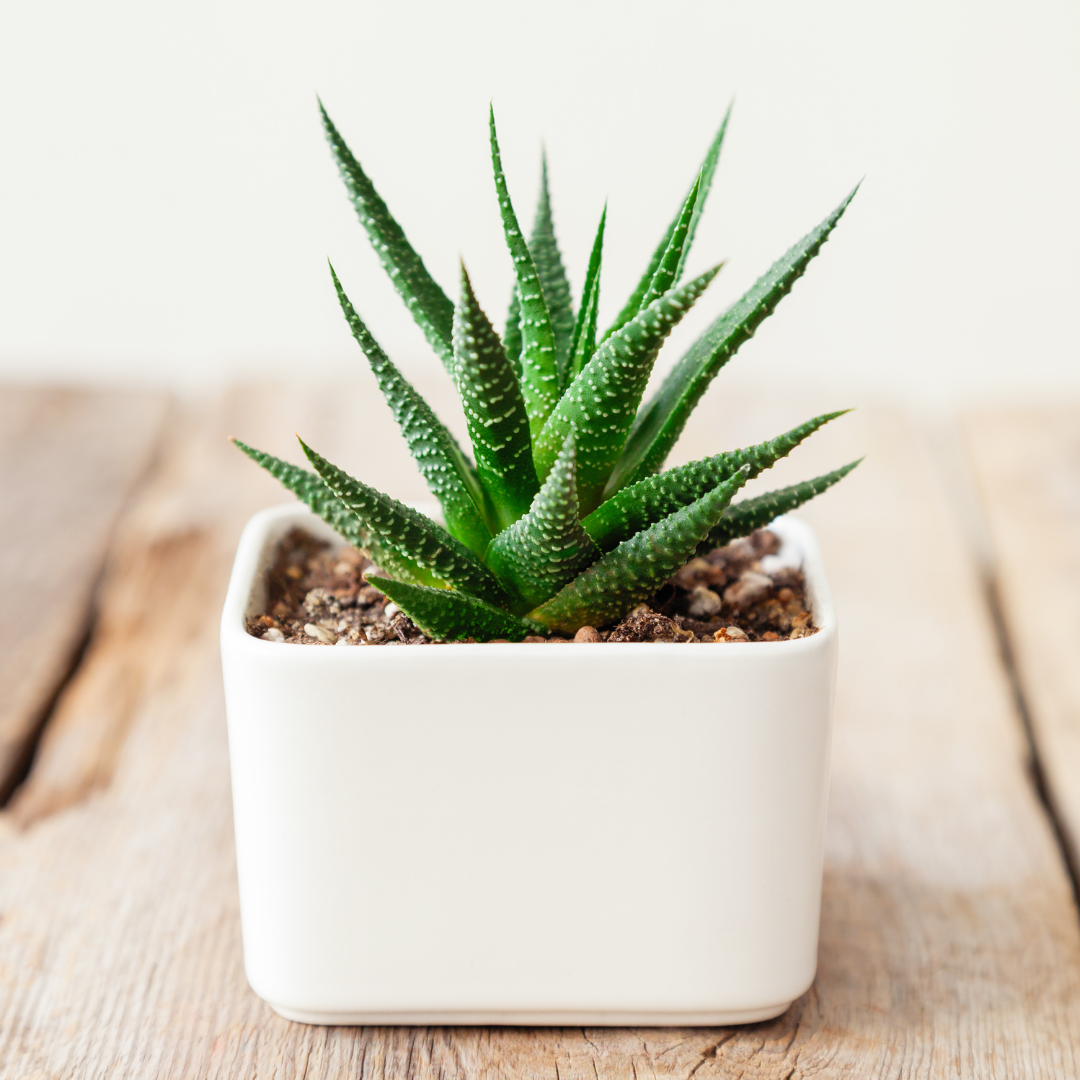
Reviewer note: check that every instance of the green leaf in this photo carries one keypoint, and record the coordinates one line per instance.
(308, 488)
(583, 341)
(448, 473)
(638, 566)
(554, 285)
(636, 507)
(660, 423)
(426, 301)
(547, 548)
(744, 517)
(705, 175)
(452, 616)
(539, 371)
(494, 410)
(600, 403)
(410, 533)
(664, 276)
(708, 171)
(549, 269)
(512, 334)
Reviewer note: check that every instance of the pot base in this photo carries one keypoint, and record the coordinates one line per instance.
(511, 1018)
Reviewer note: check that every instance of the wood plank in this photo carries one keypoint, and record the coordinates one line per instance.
(950, 945)
(1026, 463)
(68, 461)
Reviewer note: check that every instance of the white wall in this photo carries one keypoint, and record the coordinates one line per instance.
(167, 203)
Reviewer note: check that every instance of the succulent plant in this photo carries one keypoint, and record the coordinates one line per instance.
(563, 518)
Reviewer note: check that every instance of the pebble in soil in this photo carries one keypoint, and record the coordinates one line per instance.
(316, 595)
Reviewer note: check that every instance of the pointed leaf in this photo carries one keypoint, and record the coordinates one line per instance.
(744, 517)
(660, 423)
(638, 566)
(494, 410)
(552, 275)
(539, 372)
(428, 304)
(600, 403)
(555, 287)
(512, 334)
(449, 474)
(664, 276)
(453, 616)
(706, 173)
(583, 341)
(308, 488)
(636, 507)
(409, 532)
(548, 547)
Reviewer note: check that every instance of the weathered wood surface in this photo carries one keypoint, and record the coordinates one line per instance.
(68, 461)
(1026, 464)
(950, 941)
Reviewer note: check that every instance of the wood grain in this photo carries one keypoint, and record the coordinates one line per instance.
(68, 461)
(950, 945)
(1026, 464)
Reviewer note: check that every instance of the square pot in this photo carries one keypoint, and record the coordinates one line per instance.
(521, 834)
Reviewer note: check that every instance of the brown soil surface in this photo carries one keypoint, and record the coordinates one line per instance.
(317, 596)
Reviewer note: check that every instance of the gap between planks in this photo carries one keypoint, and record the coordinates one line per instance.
(69, 462)
(1026, 466)
(958, 459)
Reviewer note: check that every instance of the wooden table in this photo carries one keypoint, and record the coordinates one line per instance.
(950, 940)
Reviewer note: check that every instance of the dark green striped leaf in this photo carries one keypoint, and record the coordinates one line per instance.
(546, 548)
(308, 488)
(600, 403)
(552, 275)
(512, 333)
(705, 174)
(636, 507)
(410, 533)
(494, 410)
(744, 517)
(427, 303)
(583, 341)
(659, 425)
(452, 616)
(449, 474)
(664, 277)
(539, 371)
(634, 570)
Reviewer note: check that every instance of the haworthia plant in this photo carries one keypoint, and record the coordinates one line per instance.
(602, 399)
(750, 514)
(449, 474)
(428, 304)
(583, 340)
(659, 425)
(538, 361)
(635, 508)
(565, 519)
(636, 568)
(308, 488)
(452, 616)
(494, 410)
(548, 547)
(409, 533)
(549, 269)
(703, 183)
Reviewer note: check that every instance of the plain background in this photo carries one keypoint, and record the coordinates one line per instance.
(167, 203)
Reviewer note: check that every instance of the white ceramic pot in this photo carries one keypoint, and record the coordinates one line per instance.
(527, 834)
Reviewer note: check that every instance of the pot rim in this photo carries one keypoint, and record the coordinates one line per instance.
(265, 528)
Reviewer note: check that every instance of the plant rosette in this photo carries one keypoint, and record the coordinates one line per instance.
(509, 833)
(520, 834)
